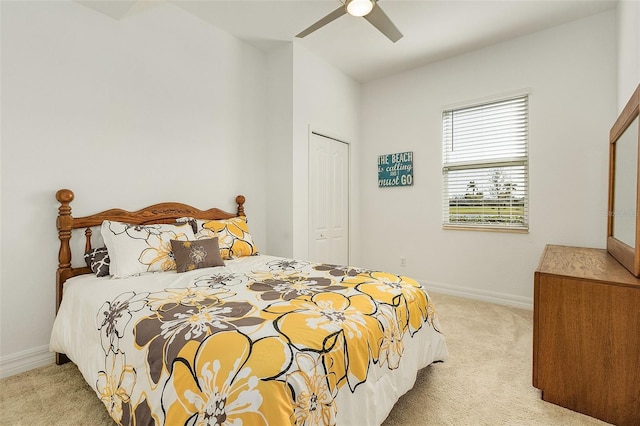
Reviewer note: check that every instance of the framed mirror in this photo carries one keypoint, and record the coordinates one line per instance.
(623, 228)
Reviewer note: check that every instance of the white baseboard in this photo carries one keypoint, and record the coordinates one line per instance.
(484, 295)
(25, 360)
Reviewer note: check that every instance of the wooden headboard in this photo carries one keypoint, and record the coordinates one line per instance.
(157, 213)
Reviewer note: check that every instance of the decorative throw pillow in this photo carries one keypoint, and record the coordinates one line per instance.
(98, 260)
(233, 235)
(190, 255)
(135, 249)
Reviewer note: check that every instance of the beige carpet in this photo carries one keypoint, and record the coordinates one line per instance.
(486, 381)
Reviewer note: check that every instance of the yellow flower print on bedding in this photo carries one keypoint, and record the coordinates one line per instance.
(392, 346)
(233, 235)
(404, 293)
(115, 386)
(158, 256)
(315, 400)
(184, 315)
(341, 327)
(215, 387)
(280, 343)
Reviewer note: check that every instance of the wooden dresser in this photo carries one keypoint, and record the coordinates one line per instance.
(586, 334)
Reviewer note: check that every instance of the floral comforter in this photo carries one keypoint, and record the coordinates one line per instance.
(261, 341)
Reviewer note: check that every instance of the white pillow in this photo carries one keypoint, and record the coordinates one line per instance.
(135, 249)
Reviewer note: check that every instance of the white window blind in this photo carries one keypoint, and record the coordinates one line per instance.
(485, 165)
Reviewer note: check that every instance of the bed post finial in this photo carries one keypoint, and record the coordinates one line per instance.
(64, 223)
(240, 201)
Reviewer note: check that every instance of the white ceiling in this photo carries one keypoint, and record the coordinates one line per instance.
(433, 29)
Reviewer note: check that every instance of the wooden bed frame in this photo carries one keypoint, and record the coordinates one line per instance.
(158, 213)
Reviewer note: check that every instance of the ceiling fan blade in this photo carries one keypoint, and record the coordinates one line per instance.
(381, 21)
(324, 21)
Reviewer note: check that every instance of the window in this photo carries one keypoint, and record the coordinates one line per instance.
(485, 165)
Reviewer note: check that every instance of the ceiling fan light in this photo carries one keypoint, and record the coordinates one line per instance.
(359, 7)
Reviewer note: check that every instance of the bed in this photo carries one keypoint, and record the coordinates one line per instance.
(179, 320)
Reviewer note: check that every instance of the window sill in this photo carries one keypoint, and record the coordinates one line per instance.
(485, 228)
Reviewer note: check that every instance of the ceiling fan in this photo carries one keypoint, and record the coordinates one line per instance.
(368, 9)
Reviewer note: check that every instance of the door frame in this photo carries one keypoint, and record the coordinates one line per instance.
(329, 135)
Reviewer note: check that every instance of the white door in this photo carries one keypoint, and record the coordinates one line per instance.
(328, 200)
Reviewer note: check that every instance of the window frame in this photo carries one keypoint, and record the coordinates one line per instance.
(491, 165)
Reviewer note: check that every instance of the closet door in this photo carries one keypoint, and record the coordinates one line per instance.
(328, 200)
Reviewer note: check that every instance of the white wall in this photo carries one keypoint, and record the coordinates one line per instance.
(158, 106)
(328, 102)
(571, 73)
(280, 151)
(306, 93)
(628, 50)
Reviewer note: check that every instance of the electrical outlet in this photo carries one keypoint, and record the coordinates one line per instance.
(403, 261)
